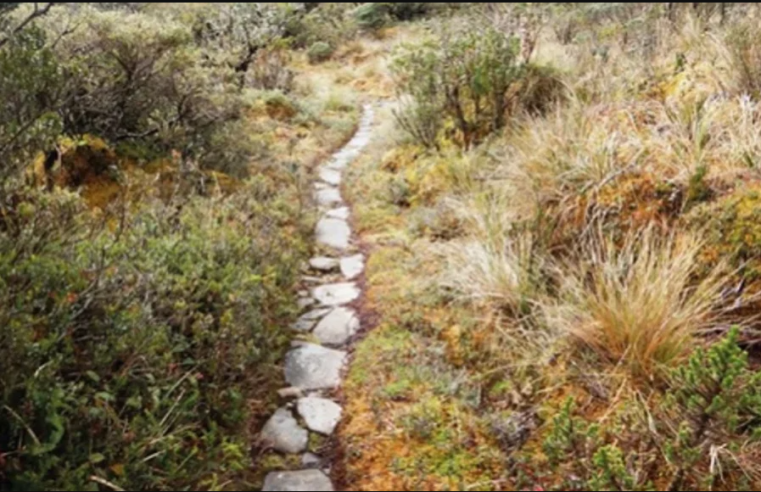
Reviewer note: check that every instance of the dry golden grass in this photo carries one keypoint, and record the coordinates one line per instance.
(638, 304)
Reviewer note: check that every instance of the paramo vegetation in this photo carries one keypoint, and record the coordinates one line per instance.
(153, 219)
(564, 269)
(560, 209)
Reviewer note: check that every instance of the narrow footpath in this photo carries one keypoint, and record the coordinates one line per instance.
(314, 368)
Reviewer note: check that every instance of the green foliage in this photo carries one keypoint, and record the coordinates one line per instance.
(716, 399)
(569, 437)
(698, 190)
(30, 89)
(328, 23)
(732, 231)
(373, 16)
(128, 353)
(611, 472)
(474, 80)
(319, 52)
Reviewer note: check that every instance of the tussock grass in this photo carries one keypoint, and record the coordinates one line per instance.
(638, 304)
(498, 263)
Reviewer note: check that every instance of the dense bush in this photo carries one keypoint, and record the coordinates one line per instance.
(319, 52)
(373, 16)
(473, 79)
(30, 88)
(328, 23)
(134, 337)
(129, 350)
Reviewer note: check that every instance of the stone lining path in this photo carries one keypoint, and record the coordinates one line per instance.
(314, 370)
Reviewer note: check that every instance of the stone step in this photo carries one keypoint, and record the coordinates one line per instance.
(283, 433)
(334, 233)
(306, 480)
(312, 367)
(336, 294)
(337, 327)
(320, 415)
(352, 266)
(324, 264)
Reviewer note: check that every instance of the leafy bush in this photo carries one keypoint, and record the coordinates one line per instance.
(373, 16)
(319, 52)
(473, 79)
(30, 88)
(127, 350)
(328, 23)
(713, 402)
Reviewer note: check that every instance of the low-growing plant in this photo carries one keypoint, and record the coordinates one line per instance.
(319, 52)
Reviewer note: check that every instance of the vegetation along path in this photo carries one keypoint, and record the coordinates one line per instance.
(314, 368)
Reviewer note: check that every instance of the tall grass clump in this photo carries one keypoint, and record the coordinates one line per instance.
(638, 304)
(500, 263)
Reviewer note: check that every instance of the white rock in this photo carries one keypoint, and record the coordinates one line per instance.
(334, 233)
(311, 367)
(338, 213)
(311, 461)
(324, 264)
(330, 176)
(305, 302)
(353, 266)
(298, 481)
(337, 327)
(283, 433)
(328, 197)
(336, 294)
(321, 415)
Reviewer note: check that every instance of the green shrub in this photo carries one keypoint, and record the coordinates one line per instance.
(30, 88)
(473, 80)
(373, 16)
(328, 22)
(128, 352)
(406, 11)
(319, 52)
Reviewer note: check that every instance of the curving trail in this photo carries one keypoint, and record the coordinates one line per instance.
(314, 370)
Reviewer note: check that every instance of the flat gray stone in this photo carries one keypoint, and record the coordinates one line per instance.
(283, 433)
(339, 213)
(298, 481)
(353, 266)
(311, 461)
(312, 367)
(328, 197)
(330, 176)
(324, 264)
(305, 302)
(321, 415)
(337, 327)
(334, 233)
(336, 294)
(303, 325)
(307, 321)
